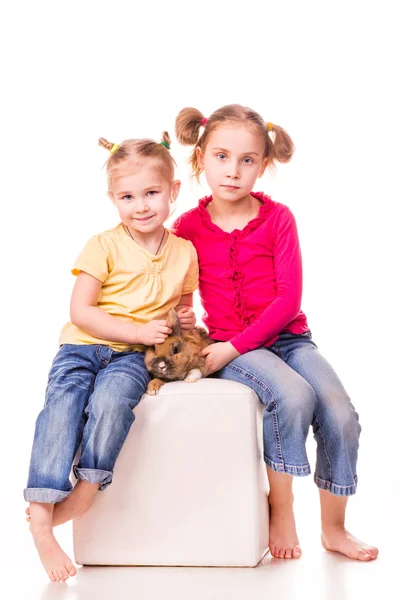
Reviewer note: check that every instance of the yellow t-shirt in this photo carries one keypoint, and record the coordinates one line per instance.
(137, 285)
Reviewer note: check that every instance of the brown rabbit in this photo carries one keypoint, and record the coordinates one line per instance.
(178, 357)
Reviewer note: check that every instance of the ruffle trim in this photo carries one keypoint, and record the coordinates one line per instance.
(234, 275)
(251, 225)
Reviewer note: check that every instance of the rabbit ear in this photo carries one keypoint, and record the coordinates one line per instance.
(174, 320)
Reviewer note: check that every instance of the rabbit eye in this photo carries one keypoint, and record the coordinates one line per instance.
(175, 350)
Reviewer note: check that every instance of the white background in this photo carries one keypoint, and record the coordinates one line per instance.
(326, 72)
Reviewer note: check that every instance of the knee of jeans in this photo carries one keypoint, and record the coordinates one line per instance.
(297, 402)
(343, 417)
(299, 398)
(112, 402)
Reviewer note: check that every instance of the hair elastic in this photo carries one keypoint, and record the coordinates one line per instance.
(114, 148)
(166, 145)
(270, 126)
(204, 121)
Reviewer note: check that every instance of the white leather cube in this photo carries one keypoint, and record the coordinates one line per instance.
(189, 486)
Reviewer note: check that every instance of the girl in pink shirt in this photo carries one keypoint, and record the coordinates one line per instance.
(250, 287)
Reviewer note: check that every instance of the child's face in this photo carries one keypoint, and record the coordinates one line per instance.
(143, 198)
(232, 160)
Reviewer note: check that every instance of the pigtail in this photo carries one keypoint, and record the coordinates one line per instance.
(105, 144)
(116, 151)
(166, 140)
(281, 147)
(187, 126)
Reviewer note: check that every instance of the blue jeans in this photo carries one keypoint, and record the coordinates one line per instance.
(299, 388)
(90, 395)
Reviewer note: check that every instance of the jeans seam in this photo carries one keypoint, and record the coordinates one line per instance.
(277, 436)
(272, 398)
(324, 447)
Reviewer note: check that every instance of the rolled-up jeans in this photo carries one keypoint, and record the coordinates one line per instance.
(299, 389)
(91, 393)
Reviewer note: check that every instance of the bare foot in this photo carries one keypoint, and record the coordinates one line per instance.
(77, 502)
(57, 564)
(74, 505)
(283, 540)
(340, 540)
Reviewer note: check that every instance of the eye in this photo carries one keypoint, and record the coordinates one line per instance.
(152, 192)
(175, 350)
(127, 197)
(221, 156)
(247, 160)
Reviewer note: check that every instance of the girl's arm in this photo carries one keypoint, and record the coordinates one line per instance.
(86, 315)
(288, 276)
(185, 311)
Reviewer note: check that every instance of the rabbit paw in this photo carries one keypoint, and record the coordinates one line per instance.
(193, 375)
(154, 387)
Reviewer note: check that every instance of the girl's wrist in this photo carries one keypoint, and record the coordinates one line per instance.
(232, 350)
(135, 334)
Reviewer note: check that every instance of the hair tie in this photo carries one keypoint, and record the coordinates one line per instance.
(270, 126)
(166, 145)
(204, 121)
(114, 148)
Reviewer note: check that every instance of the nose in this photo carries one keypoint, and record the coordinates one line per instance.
(162, 366)
(232, 170)
(141, 206)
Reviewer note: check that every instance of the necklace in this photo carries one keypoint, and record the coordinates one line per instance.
(160, 244)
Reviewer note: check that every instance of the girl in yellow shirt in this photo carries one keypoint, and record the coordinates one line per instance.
(128, 278)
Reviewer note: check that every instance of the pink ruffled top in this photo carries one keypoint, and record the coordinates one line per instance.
(250, 279)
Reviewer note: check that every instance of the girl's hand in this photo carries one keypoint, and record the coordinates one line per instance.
(218, 355)
(154, 332)
(187, 318)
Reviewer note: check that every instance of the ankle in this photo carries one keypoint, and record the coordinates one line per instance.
(335, 527)
(40, 531)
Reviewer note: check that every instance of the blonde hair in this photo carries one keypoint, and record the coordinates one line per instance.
(278, 147)
(131, 154)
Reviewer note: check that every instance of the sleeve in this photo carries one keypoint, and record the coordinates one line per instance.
(93, 259)
(191, 281)
(288, 275)
(179, 226)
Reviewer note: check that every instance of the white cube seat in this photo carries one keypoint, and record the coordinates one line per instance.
(189, 485)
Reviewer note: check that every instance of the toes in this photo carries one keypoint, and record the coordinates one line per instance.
(297, 552)
(59, 575)
(52, 575)
(274, 551)
(71, 569)
(294, 552)
(363, 555)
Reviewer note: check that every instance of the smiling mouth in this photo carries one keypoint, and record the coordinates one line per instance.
(143, 218)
